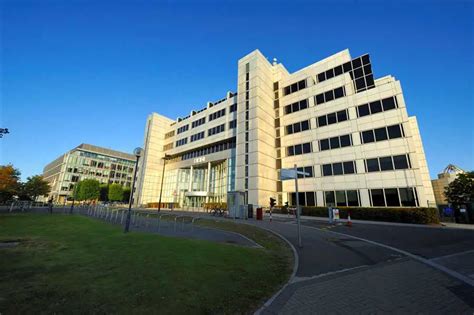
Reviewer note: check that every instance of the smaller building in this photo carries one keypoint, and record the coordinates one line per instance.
(444, 179)
(88, 161)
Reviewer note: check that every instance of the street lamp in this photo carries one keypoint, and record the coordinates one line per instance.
(137, 152)
(162, 180)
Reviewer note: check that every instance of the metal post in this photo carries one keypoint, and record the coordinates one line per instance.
(127, 223)
(162, 180)
(298, 214)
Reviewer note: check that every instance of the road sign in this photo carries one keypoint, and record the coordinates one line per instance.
(291, 173)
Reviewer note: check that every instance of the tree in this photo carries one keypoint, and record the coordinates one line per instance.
(104, 192)
(126, 194)
(76, 192)
(115, 192)
(9, 182)
(89, 189)
(461, 190)
(36, 186)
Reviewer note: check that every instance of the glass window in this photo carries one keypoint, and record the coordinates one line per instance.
(287, 109)
(368, 136)
(375, 107)
(363, 110)
(391, 196)
(300, 169)
(304, 125)
(296, 127)
(301, 84)
(329, 73)
(356, 63)
(309, 170)
(394, 132)
(295, 107)
(337, 169)
(367, 69)
(352, 198)
(319, 99)
(289, 129)
(306, 147)
(377, 197)
(328, 96)
(298, 149)
(381, 134)
(407, 197)
(338, 70)
(324, 144)
(339, 92)
(347, 66)
(341, 115)
(327, 170)
(334, 142)
(294, 87)
(400, 162)
(358, 73)
(310, 200)
(321, 77)
(372, 165)
(329, 198)
(332, 118)
(301, 196)
(345, 141)
(291, 151)
(370, 80)
(303, 104)
(360, 84)
(386, 163)
(341, 198)
(388, 103)
(349, 167)
(286, 90)
(322, 121)
(365, 59)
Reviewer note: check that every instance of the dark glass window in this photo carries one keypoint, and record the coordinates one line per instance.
(356, 63)
(334, 142)
(341, 198)
(386, 163)
(291, 151)
(303, 104)
(337, 169)
(309, 170)
(341, 115)
(400, 162)
(375, 107)
(332, 118)
(345, 141)
(360, 84)
(289, 129)
(368, 136)
(299, 169)
(306, 147)
(329, 197)
(365, 59)
(287, 109)
(296, 127)
(324, 144)
(347, 66)
(372, 165)
(370, 80)
(363, 110)
(394, 131)
(301, 84)
(352, 198)
(388, 103)
(338, 70)
(298, 149)
(391, 196)
(321, 77)
(329, 73)
(381, 134)
(286, 90)
(328, 96)
(305, 125)
(302, 198)
(294, 87)
(327, 170)
(349, 167)
(319, 99)
(295, 107)
(358, 73)
(367, 69)
(377, 197)
(407, 197)
(322, 121)
(310, 199)
(339, 92)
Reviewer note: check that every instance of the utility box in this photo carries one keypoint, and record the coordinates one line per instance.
(250, 211)
(236, 205)
(259, 213)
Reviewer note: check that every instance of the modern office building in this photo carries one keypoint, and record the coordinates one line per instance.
(348, 130)
(448, 175)
(88, 161)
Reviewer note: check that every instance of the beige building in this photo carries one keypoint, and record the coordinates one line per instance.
(444, 179)
(333, 119)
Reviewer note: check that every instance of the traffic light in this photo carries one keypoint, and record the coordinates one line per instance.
(272, 202)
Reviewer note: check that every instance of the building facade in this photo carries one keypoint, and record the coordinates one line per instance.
(448, 175)
(88, 162)
(349, 131)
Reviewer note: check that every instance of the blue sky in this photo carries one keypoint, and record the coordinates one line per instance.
(91, 71)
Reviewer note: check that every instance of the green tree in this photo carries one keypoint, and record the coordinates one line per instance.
(36, 186)
(9, 182)
(89, 189)
(104, 192)
(76, 193)
(115, 192)
(126, 194)
(461, 190)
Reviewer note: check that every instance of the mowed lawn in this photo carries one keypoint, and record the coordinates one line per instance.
(74, 264)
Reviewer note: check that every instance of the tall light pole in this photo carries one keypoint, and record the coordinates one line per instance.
(137, 152)
(162, 180)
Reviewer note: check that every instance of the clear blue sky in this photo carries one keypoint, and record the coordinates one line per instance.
(91, 71)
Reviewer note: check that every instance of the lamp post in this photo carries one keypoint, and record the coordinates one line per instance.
(162, 180)
(137, 152)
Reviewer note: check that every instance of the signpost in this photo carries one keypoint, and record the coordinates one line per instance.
(292, 173)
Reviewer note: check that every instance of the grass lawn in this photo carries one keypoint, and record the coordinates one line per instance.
(75, 264)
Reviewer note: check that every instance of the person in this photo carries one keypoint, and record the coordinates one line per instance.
(50, 205)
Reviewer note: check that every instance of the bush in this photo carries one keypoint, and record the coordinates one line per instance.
(401, 215)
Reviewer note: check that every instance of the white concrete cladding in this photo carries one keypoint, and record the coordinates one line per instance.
(322, 117)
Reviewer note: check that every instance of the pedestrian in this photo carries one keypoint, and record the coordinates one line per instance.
(50, 205)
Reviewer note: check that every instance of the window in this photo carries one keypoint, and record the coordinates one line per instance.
(363, 110)
(400, 162)
(181, 142)
(297, 127)
(198, 122)
(233, 124)
(372, 165)
(168, 146)
(297, 106)
(322, 121)
(340, 168)
(381, 134)
(368, 136)
(407, 197)
(386, 163)
(349, 167)
(335, 142)
(197, 136)
(384, 133)
(327, 170)
(183, 129)
(307, 169)
(217, 114)
(337, 169)
(352, 198)
(169, 134)
(377, 197)
(342, 198)
(345, 141)
(391, 197)
(332, 118)
(299, 149)
(330, 198)
(233, 108)
(215, 130)
(389, 103)
(394, 131)
(324, 144)
(329, 95)
(377, 106)
(295, 87)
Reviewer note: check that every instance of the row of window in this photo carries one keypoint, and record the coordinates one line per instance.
(233, 124)
(198, 122)
(197, 136)
(377, 106)
(341, 168)
(181, 142)
(388, 163)
(208, 150)
(216, 130)
(168, 146)
(169, 134)
(297, 106)
(297, 127)
(307, 198)
(328, 96)
(346, 67)
(299, 149)
(335, 142)
(295, 87)
(393, 197)
(233, 108)
(183, 129)
(308, 170)
(381, 134)
(340, 198)
(332, 118)
(217, 114)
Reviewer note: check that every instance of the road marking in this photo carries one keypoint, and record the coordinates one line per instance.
(301, 279)
(453, 255)
(425, 261)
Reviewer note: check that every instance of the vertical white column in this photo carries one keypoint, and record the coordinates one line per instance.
(190, 186)
(208, 180)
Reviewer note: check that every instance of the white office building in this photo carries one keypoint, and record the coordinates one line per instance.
(349, 130)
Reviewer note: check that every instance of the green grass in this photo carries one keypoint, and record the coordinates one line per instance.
(74, 264)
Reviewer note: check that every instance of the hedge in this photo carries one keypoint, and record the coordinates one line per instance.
(402, 215)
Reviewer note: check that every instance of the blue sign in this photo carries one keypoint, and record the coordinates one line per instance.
(448, 212)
